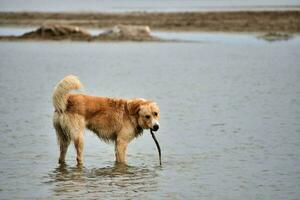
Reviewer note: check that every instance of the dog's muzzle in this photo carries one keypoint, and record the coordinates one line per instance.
(155, 127)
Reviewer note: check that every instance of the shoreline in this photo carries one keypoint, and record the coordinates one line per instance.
(220, 21)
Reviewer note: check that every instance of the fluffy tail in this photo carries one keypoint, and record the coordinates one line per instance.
(60, 94)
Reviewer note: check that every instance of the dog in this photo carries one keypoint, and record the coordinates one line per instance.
(111, 119)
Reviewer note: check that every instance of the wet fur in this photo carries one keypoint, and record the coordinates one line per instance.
(112, 120)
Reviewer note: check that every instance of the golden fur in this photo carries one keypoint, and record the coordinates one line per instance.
(112, 120)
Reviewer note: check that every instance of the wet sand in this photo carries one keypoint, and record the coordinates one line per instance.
(234, 21)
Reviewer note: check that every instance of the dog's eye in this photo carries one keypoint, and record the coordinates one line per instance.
(155, 113)
(147, 116)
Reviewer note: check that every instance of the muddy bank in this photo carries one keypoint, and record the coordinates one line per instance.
(235, 21)
(67, 32)
(57, 32)
(127, 33)
(273, 36)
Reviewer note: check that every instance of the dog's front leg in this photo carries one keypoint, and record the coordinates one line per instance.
(120, 150)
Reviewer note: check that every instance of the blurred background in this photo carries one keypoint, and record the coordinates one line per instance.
(145, 5)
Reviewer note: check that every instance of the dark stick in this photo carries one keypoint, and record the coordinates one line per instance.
(157, 145)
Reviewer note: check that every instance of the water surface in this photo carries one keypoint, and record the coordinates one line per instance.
(219, 37)
(230, 120)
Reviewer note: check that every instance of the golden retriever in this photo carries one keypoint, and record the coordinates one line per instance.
(111, 119)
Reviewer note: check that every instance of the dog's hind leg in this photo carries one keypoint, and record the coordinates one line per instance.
(63, 142)
(79, 143)
(63, 152)
(76, 125)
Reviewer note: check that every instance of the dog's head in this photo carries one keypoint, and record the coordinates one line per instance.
(146, 113)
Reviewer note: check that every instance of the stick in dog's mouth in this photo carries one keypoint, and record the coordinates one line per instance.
(157, 145)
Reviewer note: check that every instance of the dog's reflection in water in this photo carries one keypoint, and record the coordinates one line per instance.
(112, 181)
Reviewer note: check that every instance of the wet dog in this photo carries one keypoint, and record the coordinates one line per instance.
(112, 120)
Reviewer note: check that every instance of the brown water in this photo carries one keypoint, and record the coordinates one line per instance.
(230, 126)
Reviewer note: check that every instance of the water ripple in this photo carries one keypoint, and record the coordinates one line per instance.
(112, 181)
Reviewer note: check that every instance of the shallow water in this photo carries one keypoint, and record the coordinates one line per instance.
(230, 126)
(219, 37)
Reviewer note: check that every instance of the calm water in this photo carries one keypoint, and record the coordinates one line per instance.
(145, 5)
(216, 37)
(230, 126)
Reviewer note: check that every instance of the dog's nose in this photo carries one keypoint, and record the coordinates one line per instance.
(155, 127)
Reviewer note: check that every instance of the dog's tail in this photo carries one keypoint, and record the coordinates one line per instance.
(60, 94)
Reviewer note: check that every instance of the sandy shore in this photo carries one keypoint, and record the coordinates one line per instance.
(236, 21)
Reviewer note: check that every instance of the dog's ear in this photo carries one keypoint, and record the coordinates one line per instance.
(133, 106)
